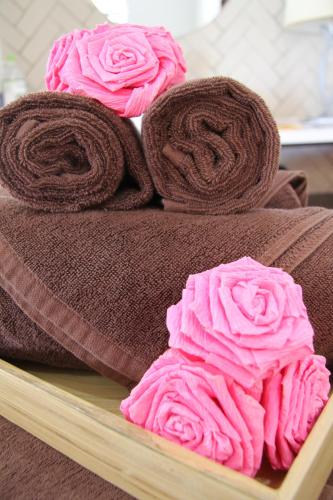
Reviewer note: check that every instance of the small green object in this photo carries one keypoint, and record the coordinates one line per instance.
(11, 58)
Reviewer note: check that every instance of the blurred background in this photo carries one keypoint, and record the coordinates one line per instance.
(282, 49)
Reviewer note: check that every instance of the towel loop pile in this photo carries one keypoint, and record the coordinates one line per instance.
(212, 146)
(62, 153)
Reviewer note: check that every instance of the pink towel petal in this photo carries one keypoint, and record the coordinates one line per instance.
(194, 405)
(293, 400)
(123, 66)
(246, 319)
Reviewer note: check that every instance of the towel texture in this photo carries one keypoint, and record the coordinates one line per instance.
(20, 338)
(103, 294)
(31, 470)
(61, 152)
(289, 190)
(211, 146)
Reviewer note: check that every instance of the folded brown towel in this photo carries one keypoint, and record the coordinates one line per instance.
(62, 152)
(99, 283)
(289, 190)
(32, 470)
(20, 338)
(211, 146)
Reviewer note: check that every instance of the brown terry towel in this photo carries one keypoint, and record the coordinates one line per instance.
(289, 190)
(32, 470)
(62, 152)
(20, 338)
(100, 282)
(211, 146)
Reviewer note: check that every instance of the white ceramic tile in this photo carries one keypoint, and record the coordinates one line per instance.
(10, 11)
(247, 41)
(77, 8)
(35, 14)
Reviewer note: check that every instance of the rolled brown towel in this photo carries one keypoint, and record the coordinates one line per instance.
(102, 291)
(211, 146)
(62, 152)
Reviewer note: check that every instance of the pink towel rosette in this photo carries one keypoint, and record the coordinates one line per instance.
(244, 318)
(123, 66)
(240, 373)
(194, 405)
(293, 400)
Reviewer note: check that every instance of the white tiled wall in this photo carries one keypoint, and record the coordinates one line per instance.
(247, 41)
(28, 28)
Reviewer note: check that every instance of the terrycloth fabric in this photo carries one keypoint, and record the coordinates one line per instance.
(211, 146)
(32, 470)
(63, 153)
(20, 338)
(100, 282)
(289, 190)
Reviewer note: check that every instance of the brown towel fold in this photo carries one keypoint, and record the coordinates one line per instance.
(289, 190)
(100, 282)
(32, 470)
(20, 338)
(61, 152)
(211, 146)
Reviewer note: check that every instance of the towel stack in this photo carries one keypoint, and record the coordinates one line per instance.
(98, 232)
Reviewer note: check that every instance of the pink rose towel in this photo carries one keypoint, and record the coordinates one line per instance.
(196, 406)
(246, 319)
(241, 376)
(293, 400)
(125, 66)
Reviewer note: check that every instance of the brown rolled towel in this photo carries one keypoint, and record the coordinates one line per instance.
(211, 146)
(32, 470)
(99, 283)
(62, 153)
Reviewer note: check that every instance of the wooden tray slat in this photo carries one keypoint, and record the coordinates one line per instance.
(78, 414)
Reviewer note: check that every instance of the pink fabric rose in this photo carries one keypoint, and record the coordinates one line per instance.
(123, 66)
(192, 404)
(293, 400)
(246, 319)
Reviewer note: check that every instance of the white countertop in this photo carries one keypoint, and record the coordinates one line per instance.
(306, 135)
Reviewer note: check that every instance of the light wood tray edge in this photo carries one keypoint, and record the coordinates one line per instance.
(142, 463)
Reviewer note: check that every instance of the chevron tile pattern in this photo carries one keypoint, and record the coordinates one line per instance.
(28, 28)
(247, 42)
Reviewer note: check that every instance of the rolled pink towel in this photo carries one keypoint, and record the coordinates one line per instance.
(244, 318)
(125, 66)
(240, 373)
(194, 405)
(293, 400)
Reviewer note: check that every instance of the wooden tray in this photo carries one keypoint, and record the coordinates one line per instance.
(78, 414)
